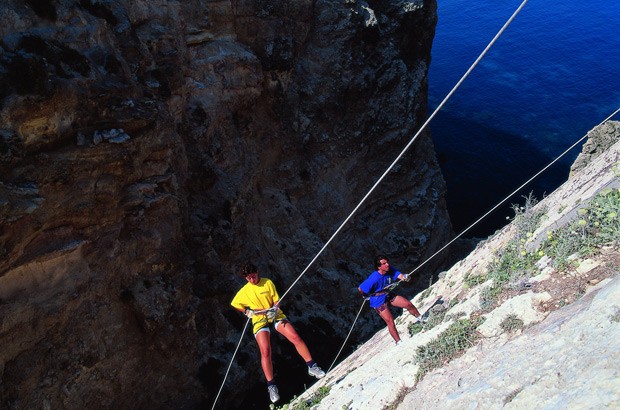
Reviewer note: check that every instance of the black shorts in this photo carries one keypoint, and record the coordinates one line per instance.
(388, 299)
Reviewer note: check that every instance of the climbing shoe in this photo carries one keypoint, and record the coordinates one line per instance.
(316, 371)
(273, 393)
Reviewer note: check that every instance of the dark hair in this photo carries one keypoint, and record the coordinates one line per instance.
(378, 259)
(247, 268)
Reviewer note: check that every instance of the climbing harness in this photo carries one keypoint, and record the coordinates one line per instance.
(268, 314)
(385, 290)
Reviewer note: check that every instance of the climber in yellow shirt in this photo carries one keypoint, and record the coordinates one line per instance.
(258, 299)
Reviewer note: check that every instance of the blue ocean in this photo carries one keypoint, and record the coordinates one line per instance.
(552, 76)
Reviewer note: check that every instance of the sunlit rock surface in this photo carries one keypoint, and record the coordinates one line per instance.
(563, 354)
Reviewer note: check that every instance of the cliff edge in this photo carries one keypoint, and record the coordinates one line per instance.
(530, 319)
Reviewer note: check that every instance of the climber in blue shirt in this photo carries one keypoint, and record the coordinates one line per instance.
(381, 298)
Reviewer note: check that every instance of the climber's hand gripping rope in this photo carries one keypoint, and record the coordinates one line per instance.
(270, 313)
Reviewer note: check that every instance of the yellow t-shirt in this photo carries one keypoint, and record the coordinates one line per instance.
(261, 296)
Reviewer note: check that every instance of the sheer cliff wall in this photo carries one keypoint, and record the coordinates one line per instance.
(147, 148)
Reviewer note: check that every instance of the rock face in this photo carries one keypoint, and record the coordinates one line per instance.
(599, 140)
(149, 147)
(560, 348)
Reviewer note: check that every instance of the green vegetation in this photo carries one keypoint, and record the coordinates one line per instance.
(514, 261)
(489, 295)
(414, 328)
(596, 225)
(472, 280)
(511, 323)
(435, 318)
(316, 398)
(449, 344)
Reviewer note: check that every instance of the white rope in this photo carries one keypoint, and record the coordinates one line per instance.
(404, 150)
(347, 338)
(423, 127)
(471, 226)
(513, 192)
(231, 362)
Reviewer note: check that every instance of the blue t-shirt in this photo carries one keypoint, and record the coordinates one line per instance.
(376, 282)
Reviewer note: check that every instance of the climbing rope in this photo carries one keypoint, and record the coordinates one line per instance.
(385, 173)
(230, 364)
(404, 150)
(513, 192)
(272, 311)
(388, 288)
(443, 102)
(347, 338)
(395, 284)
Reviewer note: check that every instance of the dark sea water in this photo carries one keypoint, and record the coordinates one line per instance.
(552, 76)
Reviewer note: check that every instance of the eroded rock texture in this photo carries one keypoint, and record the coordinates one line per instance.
(149, 147)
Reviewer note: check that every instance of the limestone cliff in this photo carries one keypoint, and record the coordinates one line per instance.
(149, 147)
(547, 335)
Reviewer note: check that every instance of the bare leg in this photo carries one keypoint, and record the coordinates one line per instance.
(389, 319)
(287, 330)
(264, 345)
(405, 303)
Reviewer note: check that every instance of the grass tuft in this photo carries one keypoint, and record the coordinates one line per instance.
(596, 225)
(414, 328)
(514, 261)
(511, 323)
(449, 344)
(402, 393)
(315, 399)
